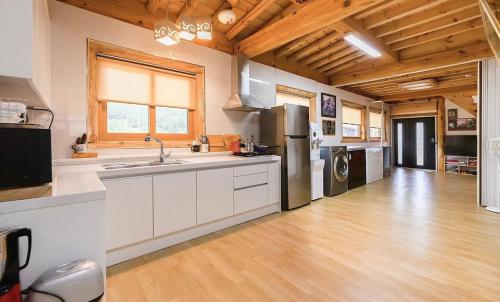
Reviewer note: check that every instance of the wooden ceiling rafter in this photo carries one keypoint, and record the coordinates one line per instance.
(299, 43)
(312, 17)
(349, 64)
(438, 34)
(399, 11)
(440, 23)
(444, 9)
(434, 61)
(370, 11)
(152, 6)
(426, 93)
(333, 57)
(248, 18)
(314, 49)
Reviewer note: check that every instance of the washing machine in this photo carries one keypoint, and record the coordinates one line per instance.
(336, 171)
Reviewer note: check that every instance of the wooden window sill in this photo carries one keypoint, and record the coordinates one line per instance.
(137, 144)
(353, 140)
(375, 139)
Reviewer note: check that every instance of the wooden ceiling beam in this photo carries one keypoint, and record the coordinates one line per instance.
(398, 11)
(248, 18)
(312, 17)
(433, 61)
(152, 6)
(291, 8)
(327, 41)
(441, 23)
(439, 34)
(340, 45)
(464, 100)
(426, 93)
(424, 17)
(348, 25)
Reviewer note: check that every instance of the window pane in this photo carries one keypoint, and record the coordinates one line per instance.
(375, 120)
(171, 120)
(375, 132)
(350, 130)
(283, 98)
(400, 143)
(351, 115)
(127, 118)
(420, 144)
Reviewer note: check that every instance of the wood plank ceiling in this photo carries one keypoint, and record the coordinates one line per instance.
(439, 40)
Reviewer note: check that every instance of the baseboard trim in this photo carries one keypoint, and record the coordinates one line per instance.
(133, 251)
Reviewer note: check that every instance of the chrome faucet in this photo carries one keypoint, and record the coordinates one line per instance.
(162, 154)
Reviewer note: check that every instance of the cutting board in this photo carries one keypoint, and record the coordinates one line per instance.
(216, 143)
(229, 138)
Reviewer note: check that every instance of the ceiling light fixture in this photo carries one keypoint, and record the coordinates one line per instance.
(227, 16)
(351, 38)
(188, 28)
(419, 85)
(166, 31)
(204, 29)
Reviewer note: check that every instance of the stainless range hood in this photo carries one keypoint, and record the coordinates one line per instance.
(253, 85)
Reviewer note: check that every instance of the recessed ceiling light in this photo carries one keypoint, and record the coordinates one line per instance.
(351, 38)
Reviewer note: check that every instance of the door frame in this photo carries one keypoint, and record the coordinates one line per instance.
(393, 153)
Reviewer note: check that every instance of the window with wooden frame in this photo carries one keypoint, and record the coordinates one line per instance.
(387, 125)
(353, 122)
(375, 120)
(133, 94)
(288, 95)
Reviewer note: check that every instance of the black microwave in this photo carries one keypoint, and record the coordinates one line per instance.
(25, 155)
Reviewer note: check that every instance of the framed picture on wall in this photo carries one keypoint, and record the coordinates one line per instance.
(328, 127)
(328, 105)
(452, 115)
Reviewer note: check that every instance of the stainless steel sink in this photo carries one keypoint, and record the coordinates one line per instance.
(112, 166)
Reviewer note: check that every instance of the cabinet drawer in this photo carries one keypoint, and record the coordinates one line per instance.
(246, 170)
(250, 198)
(250, 180)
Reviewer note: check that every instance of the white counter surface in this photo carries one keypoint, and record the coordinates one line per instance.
(77, 181)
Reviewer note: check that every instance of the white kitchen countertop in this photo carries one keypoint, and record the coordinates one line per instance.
(77, 181)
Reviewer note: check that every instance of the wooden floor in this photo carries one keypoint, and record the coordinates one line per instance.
(416, 236)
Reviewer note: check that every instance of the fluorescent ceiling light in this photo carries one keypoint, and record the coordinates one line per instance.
(418, 85)
(362, 45)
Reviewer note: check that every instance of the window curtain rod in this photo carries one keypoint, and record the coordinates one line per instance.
(103, 55)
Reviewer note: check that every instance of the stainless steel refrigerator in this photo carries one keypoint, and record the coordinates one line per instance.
(287, 127)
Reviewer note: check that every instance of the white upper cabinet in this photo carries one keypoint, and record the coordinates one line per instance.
(25, 51)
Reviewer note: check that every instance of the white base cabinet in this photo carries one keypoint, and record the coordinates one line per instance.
(174, 200)
(214, 194)
(129, 210)
(148, 213)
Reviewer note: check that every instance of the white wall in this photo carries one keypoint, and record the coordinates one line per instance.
(295, 81)
(490, 127)
(71, 26)
(462, 113)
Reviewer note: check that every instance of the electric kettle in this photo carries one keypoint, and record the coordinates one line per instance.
(10, 287)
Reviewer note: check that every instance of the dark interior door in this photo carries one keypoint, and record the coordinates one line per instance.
(415, 142)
